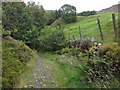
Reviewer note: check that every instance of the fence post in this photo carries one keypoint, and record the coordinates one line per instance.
(83, 33)
(99, 26)
(114, 25)
(80, 33)
(73, 37)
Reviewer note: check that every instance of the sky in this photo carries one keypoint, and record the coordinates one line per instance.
(81, 5)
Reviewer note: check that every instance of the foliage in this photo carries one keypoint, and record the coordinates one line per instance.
(66, 51)
(51, 38)
(5, 32)
(68, 13)
(51, 15)
(101, 67)
(111, 50)
(111, 53)
(104, 69)
(59, 22)
(87, 13)
(58, 13)
(24, 22)
(38, 14)
(31, 38)
(15, 57)
(15, 16)
(100, 73)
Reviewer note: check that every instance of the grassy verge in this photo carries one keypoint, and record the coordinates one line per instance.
(72, 68)
(24, 77)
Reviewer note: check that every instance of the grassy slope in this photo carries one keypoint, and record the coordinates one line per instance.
(90, 27)
(17, 59)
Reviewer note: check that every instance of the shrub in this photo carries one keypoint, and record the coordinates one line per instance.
(105, 69)
(51, 39)
(100, 73)
(110, 50)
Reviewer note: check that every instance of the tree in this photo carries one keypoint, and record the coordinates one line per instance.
(16, 19)
(51, 15)
(39, 20)
(52, 39)
(24, 21)
(38, 15)
(68, 13)
(87, 13)
(58, 13)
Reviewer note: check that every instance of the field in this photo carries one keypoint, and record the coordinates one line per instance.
(89, 27)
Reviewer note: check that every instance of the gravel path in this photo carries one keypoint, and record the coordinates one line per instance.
(46, 74)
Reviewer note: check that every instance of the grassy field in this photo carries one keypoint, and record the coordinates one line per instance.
(89, 27)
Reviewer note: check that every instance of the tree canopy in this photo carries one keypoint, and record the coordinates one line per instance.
(24, 21)
(68, 13)
(87, 13)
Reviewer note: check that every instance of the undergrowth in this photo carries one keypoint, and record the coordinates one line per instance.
(15, 57)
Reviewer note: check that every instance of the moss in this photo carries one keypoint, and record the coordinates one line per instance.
(15, 57)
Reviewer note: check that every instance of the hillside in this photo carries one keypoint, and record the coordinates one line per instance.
(112, 9)
(16, 59)
(89, 27)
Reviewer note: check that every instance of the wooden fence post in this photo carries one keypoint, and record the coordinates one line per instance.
(73, 37)
(83, 33)
(99, 26)
(80, 33)
(114, 25)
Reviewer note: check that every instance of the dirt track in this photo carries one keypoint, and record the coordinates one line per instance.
(46, 74)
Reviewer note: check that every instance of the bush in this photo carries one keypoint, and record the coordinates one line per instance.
(105, 69)
(52, 39)
(110, 50)
(100, 73)
(14, 59)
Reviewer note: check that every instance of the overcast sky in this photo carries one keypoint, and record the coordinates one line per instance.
(81, 5)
